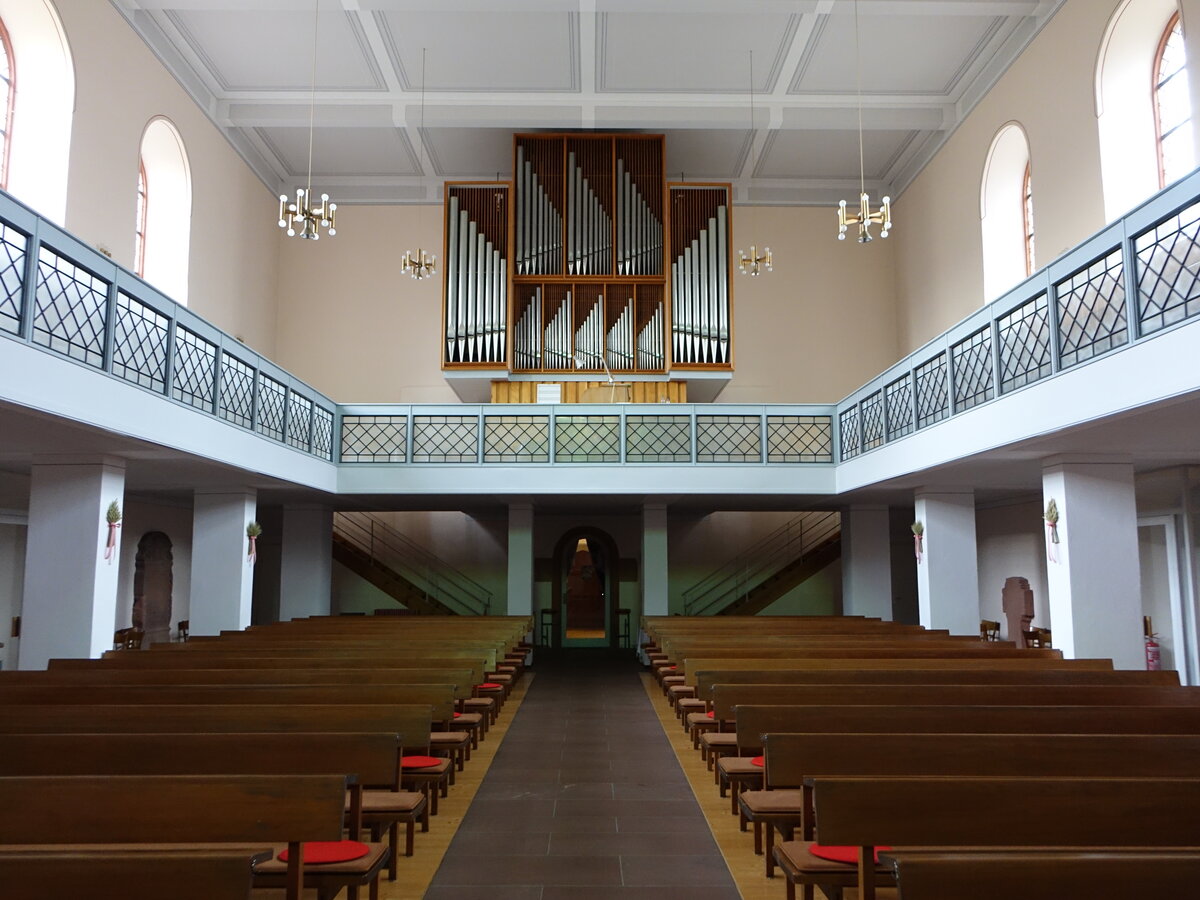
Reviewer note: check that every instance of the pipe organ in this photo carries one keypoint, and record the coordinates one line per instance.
(700, 265)
(476, 266)
(610, 267)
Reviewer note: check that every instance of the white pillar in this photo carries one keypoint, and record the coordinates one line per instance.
(948, 574)
(222, 576)
(306, 563)
(654, 580)
(69, 608)
(866, 562)
(1095, 586)
(520, 559)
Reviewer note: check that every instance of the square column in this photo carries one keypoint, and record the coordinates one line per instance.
(306, 564)
(222, 576)
(654, 580)
(948, 574)
(70, 596)
(866, 562)
(520, 559)
(1095, 586)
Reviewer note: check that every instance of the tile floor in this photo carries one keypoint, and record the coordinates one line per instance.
(585, 800)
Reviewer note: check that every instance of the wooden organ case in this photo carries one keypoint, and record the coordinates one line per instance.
(587, 260)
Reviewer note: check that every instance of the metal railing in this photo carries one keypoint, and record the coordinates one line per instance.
(1137, 278)
(675, 433)
(736, 578)
(61, 296)
(435, 578)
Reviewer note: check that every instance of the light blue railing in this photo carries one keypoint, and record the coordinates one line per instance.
(675, 433)
(1134, 280)
(1137, 278)
(63, 297)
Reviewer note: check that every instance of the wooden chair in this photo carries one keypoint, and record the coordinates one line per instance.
(1037, 638)
(184, 630)
(989, 630)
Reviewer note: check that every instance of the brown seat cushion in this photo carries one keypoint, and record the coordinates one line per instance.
(773, 802)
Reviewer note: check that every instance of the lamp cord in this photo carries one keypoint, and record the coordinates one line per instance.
(862, 178)
(312, 101)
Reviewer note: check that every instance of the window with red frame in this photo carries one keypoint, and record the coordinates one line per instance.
(1172, 106)
(139, 240)
(8, 89)
(1027, 219)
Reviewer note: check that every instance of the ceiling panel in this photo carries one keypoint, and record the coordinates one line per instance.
(701, 153)
(343, 151)
(900, 54)
(232, 45)
(830, 154)
(699, 53)
(470, 151)
(483, 51)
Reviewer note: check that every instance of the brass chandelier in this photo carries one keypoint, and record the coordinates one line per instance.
(420, 264)
(312, 217)
(865, 218)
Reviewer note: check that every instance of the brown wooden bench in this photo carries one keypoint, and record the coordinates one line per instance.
(276, 810)
(372, 760)
(1126, 813)
(440, 697)
(146, 875)
(793, 760)
(1042, 874)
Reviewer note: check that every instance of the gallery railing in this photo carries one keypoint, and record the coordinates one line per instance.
(64, 297)
(1137, 278)
(573, 433)
(1132, 281)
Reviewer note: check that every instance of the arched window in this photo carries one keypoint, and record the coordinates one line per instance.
(1006, 212)
(165, 242)
(8, 93)
(1172, 106)
(1136, 54)
(1027, 219)
(139, 234)
(37, 126)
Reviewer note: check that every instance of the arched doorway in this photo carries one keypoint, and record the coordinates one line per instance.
(586, 589)
(152, 583)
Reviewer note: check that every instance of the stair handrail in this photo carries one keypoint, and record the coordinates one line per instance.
(739, 575)
(438, 580)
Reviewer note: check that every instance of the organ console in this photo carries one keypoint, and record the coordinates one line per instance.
(591, 224)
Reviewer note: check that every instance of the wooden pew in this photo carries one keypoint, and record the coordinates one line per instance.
(1042, 874)
(794, 760)
(440, 698)
(194, 809)
(146, 875)
(1125, 813)
(410, 722)
(731, 753)
(372, 760)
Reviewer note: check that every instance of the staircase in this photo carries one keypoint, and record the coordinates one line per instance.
(404, 570)
(760, 575)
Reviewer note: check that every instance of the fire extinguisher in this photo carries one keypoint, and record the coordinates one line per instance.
(1153, 654)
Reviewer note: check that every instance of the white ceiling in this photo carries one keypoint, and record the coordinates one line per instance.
(680, 67)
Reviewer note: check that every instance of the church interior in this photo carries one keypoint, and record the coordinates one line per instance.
(542, 362)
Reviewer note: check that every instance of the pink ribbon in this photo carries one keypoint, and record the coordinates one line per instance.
(252, 553)
(918, 546)
(1051, 540)
(110, 547)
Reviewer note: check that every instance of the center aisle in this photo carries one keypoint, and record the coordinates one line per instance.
(585, 799)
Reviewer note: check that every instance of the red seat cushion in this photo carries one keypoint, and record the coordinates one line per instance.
(458, 715)
(712, 713)
(317, 852)
(489, 685)
(758, 761)
(835, 853)
(418, 762)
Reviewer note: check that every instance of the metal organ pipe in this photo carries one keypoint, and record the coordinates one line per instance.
(476, 273)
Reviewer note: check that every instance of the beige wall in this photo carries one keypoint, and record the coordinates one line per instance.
(120, 86)
(793, 328)
(1050, 91)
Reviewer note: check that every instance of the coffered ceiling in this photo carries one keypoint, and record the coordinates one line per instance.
(681, 67)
